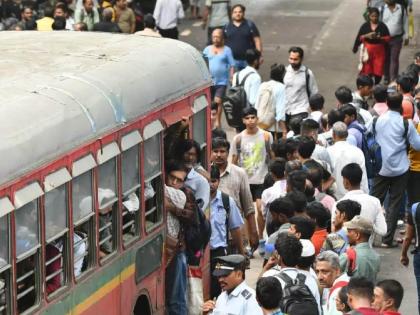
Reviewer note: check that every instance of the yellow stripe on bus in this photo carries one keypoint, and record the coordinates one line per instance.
(104, 290)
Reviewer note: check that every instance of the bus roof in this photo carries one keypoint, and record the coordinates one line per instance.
(61, 89)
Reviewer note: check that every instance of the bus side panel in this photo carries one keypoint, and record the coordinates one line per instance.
(108, 304)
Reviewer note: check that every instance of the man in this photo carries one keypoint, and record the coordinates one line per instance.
(45, 24)
(276, 169)
(354, 128)
(249, 77)
(237, 297)
(167, 13)
(216, 15)
(325, 139)
(371, 206)
(345, 210)
(388, 295)
(276, 91)
(302, 227)
(320, 215)
(394, 16)
(364, 85)
(379, 95)
(315, 173)
(392, 136)
(269, 293)
(241, 35)
(289, 250)
(331, 279)
(61, 10)
(149, 27)
(360, 296)
(107, 25)
(252, 152)
(366, 262)
(124, 17)
(343, 153)
(404, 86)
(344, 96)
(225, 217)
(27, 17)
(87, 14)
(221, 66)
(412, 232)
(234, 182)
(300, 85)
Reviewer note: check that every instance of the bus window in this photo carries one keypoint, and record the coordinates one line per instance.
(56, 235)
(4, 266)
(27, 255)
(199, 134)
(131, 190)
(153, 182)
(83, 223)
(107, 197)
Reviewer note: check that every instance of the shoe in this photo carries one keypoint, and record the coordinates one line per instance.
(261, 248)
(386, 245)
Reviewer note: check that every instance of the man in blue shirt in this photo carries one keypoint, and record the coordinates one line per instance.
(393, 176)
(224, 217)
(221, 65)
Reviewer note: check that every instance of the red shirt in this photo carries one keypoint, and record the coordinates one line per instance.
(390, 313)
(318, 239)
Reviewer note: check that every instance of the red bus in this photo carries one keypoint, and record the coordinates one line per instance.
(83, 119)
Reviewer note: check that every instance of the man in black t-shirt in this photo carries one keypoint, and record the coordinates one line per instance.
(241, 34)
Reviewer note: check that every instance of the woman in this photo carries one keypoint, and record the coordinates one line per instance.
(374, 35)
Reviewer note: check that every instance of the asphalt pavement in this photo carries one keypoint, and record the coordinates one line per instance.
(326, 30)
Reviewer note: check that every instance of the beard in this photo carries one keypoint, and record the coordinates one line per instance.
(295, 66)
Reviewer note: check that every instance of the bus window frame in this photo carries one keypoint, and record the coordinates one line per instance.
(7, 270)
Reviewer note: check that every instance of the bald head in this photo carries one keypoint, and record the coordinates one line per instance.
(217, 37)
(339, 131)
(107, 14)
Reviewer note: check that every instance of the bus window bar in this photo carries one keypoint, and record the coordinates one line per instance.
(106, 226)
(28, 253)
(105, 239)
(82, 240)
(49, 277)
(58, 256)
(26, 275)
(2, 308)
(153, 176)
(154, 209)
(56, 236)
(130, 223)
(125, 213)
(3, 269)
(107, 204)
(126, 193)
(84, 219)
(26, 292)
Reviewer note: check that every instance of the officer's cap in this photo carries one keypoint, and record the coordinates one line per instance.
(226, 264)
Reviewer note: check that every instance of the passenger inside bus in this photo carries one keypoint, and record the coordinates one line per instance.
(131, 206)
(106, 209)
(53, 259)
(26, 285)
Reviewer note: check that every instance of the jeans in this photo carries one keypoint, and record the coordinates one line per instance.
(416, 265)
(176, 286)
(395, 186)
(392, 58)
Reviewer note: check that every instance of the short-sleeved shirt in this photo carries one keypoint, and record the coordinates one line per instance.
(240, 38)
(218, 220)
(219, 64)
(219, 12)
(253, 154)
(126, 20)
(201, 188)
(241, 301)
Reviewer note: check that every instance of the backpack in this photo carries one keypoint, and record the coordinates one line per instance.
(234, 103)
(358, 103)
(297, 298)
(266, 141)
(226, 206)
(265, 106)
(307, 78)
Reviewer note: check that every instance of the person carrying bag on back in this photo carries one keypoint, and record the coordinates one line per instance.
(244, 90)
(271, 103)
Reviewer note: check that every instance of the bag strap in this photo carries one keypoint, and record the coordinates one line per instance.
(336, 286)
(283, 276)
(351, 261)
(226, 206)
(267, 145)
(407, 143)
(238, 145)
(244, 79)
(375, 119)
(307, 78)
(301, 278)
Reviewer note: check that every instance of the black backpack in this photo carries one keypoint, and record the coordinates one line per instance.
(297, 298)
(234, 103)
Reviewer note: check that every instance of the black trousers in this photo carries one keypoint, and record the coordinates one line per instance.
(215, 287)
(290, 117)
(396, 187)
(413, 187)
(169, 33)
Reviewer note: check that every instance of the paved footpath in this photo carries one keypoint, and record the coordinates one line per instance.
(326, 30)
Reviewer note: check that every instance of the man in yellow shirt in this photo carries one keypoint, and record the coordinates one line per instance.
(45, 24)
(413, 186)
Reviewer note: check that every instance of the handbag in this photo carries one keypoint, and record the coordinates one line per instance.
(363, 56)
(171, 248)
(195, 290)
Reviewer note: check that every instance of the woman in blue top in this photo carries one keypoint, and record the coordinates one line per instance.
(221, 64)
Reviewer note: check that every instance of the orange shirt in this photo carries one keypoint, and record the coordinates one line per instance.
(407, 106)
(318, 239)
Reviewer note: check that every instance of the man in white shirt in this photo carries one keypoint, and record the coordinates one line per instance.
(278, 190)
(167, 13)
(300, 85)
(371, 208)
(250, 75)
(343, 153)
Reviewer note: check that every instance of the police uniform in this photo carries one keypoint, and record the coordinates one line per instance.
(241, 301)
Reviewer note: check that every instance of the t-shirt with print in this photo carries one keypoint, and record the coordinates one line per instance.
(219, 12)
(253, 155)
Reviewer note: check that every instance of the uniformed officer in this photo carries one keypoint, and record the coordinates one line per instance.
(237, 297)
